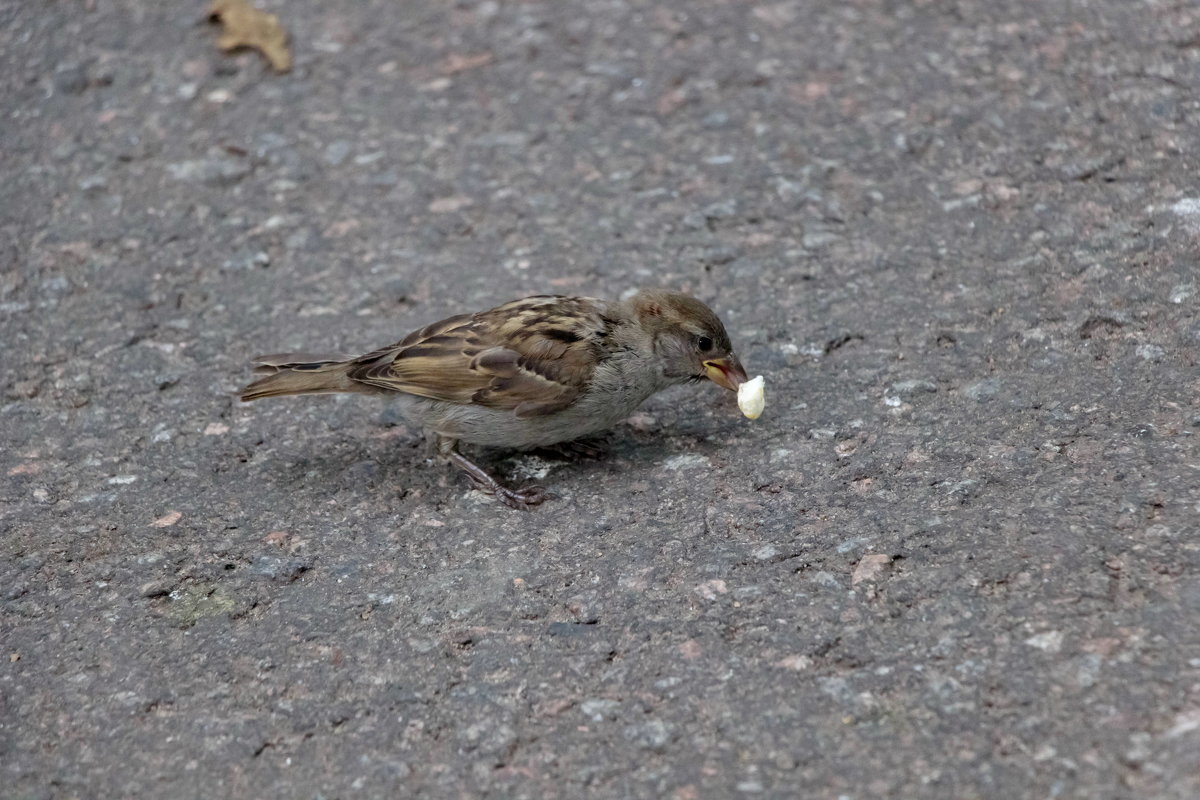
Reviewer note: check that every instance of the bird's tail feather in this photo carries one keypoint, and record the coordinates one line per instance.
(301, 373)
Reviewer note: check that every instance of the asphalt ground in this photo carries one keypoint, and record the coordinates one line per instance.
(956, 557)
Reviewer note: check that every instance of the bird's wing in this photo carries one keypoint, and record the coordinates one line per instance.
(533, 356)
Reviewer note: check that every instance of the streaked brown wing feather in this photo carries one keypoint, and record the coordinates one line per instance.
(533, 356)
(276, 362)
(433, 363)
(521, 384)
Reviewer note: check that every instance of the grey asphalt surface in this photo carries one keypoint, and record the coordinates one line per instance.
(956, 558)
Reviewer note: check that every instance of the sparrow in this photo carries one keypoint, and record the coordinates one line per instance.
(535, 372)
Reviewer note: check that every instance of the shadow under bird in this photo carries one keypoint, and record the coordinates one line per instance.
(535, 372)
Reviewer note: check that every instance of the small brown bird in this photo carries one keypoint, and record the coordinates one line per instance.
(531, 373)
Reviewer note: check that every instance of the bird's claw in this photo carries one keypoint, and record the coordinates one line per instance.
(521, 499)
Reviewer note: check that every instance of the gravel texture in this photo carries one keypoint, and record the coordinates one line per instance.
(957, 557)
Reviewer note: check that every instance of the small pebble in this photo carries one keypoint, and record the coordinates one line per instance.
(983, 390)
(870, 567)
(337, 152)
(1150, 352)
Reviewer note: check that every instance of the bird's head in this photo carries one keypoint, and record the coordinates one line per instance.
(687, 338)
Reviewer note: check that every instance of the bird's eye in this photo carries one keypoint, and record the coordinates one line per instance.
(704, 343)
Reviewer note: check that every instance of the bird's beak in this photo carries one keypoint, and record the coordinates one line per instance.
(726, 372)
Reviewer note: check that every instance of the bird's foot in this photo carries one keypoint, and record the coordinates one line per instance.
(522, 499)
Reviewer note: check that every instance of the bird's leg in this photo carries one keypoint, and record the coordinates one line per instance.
(522, 499)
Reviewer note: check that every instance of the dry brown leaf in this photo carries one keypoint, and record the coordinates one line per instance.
(167, 520)
(246, 26)
(458, 62)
